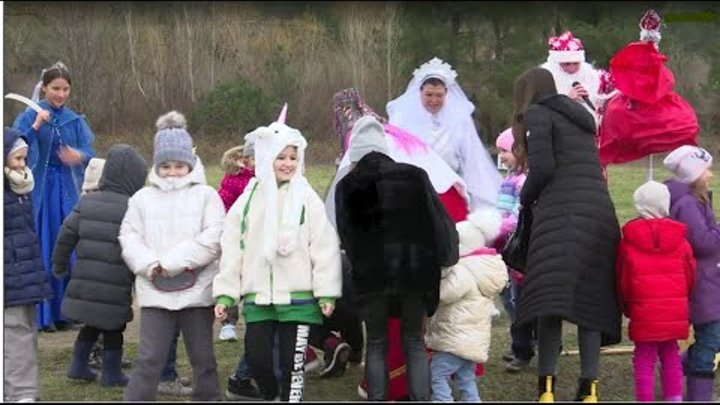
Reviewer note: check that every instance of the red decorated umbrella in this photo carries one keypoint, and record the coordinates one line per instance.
(645, 116)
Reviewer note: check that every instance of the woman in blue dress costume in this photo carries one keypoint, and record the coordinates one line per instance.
(61, 145)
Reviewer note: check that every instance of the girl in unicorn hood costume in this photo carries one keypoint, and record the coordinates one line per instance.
(281, 256)
(459, 331)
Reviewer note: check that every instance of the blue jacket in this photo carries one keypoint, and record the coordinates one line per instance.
(26, 282)
(73, 131)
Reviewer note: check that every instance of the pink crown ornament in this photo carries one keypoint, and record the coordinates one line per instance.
(650, 21)
(650, 27)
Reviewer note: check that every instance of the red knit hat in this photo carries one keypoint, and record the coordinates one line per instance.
(566, 49)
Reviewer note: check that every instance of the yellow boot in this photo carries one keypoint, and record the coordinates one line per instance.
(587, 390)
(546, 388)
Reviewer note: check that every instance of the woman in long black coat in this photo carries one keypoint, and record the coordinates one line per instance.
(575, 233)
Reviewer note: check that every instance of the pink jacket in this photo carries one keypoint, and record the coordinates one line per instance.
(232, 185)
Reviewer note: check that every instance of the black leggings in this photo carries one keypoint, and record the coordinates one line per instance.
(293, 342)
(549, 334)
(112, 339)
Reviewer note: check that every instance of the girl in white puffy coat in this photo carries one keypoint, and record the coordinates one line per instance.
(459, 332)
(170, 238)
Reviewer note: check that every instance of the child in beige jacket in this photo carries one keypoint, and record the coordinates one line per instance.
(459, 332)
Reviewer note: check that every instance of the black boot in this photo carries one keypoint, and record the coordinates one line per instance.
(587, 390)
(112, 374)
(546, 388)
(79, 368)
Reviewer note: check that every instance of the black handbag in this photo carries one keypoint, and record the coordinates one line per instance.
(515, 252)
(182, 281)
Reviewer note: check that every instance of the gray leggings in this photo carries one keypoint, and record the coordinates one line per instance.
(549, 334)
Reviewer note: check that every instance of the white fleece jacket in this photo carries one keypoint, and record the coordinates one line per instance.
(176, 223)
(314, 265)
(462, 323)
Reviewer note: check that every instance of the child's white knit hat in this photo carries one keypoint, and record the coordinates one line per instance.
(688, 163)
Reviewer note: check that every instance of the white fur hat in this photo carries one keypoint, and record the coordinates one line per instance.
(368, 135)
(652, 200)
(280, 230)
(479, 230)
(566, 48)
(92, 174)
(688, 163)
(19, 144)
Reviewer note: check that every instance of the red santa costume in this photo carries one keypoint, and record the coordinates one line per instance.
(644, 115)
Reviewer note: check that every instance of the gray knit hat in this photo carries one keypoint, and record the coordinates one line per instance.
(368, 135)
(249, 147)
(172, 141)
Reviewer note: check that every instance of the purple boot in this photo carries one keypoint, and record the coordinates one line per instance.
(700, 388)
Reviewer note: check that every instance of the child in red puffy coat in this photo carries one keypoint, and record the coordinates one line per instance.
(656, 272)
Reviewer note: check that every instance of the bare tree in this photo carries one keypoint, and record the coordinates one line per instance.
(393, 31)
(357, 41)
(189, 50)
(131, 45)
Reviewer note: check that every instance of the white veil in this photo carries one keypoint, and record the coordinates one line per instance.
(477, 168)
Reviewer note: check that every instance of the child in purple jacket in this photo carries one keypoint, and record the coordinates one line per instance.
(690, 204)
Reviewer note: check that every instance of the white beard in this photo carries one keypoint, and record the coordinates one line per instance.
(588, 77)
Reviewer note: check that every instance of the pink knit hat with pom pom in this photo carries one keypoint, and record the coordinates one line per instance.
(505, 140)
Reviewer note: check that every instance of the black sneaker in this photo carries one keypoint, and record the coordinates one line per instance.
(516, 365)
(355, 358)
(241, 389)
(336, 361)
(508, 355)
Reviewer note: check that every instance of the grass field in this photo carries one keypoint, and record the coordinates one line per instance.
(616, 377)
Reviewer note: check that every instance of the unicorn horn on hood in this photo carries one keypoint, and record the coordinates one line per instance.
(283, 114)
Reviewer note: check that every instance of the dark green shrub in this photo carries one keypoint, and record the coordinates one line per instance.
(233, 108)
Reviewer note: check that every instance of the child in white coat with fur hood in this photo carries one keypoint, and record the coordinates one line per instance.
(170, 238)
(459, 332)
(281, 256)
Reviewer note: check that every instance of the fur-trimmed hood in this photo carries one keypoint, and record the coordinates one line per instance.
(229, 159)
(479, 229)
